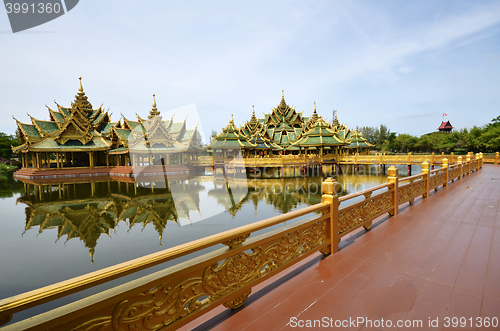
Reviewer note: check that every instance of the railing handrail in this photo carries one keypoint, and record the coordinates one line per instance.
(410, 178)
(51, 292)
(360, 193)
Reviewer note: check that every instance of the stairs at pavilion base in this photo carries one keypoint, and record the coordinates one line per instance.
(34, 173)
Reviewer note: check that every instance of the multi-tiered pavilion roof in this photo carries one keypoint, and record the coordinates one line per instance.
(286, 130)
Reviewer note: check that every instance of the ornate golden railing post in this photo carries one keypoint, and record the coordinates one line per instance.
(460, 165)
(433, 159)
(393, 179)
(329, 188)
(452, 158)
(425, 172)
(468, 164)
(445, 166)
(481, 160)
(497, 157)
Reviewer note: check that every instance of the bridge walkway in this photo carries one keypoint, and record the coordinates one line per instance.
(438, 258)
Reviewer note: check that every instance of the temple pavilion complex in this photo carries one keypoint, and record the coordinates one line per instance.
(79, 138)
(285, 131)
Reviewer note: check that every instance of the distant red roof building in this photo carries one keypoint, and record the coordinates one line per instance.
(445, 127)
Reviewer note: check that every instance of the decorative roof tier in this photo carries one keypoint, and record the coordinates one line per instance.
(320, 134)
(76, 128)
(356, 140)
(154, 135)
(230, 138)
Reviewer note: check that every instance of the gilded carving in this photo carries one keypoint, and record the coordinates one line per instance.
(437, 180)
(351, 217)
(410, 191)
(238, 302)
(234, 242)
(454, 173)
(174, 299)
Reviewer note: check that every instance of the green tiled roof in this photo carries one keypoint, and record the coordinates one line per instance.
(356, 140)
(30, 130)
(98, 118)
(175, 127)
(133, 124)
(65, 111)
(124, 134)
(46, 126)
(51, 144)
(186, 135)
(106, 128)
(58, 116)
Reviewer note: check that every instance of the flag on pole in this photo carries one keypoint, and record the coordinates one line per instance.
(444, 114)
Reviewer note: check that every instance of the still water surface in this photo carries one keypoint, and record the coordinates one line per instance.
(52, 232)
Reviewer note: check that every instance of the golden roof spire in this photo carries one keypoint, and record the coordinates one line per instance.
(91, 253)
(253, 110)
(282, 94)
(314, 106)
(80, 88)
(154, 111)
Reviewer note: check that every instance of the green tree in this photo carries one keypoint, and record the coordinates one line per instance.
(6, 141)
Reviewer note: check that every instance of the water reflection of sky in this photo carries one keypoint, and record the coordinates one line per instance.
(124, 223)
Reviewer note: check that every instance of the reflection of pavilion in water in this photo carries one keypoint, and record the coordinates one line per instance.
(284, 194)
(86, 210)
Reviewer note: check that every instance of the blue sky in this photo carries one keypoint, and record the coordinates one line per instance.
(398, 63)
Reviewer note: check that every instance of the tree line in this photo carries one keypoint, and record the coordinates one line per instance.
(477, 139)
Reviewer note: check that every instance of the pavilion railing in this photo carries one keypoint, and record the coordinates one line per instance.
(302, 159)
(173, 296)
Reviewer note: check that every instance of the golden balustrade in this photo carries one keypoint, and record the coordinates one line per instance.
(295, 160)
(173, 296)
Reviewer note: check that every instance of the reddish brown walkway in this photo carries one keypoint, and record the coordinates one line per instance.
(437, 259)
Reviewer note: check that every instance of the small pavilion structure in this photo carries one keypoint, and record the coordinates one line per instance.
(445, 127)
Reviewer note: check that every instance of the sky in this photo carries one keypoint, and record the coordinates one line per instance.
(398, 63)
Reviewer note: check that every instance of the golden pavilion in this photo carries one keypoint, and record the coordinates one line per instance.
(81, 137)
(285, 131)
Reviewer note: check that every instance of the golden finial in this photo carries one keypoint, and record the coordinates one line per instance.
(335, 113)
(91, 253)
(253, 109)
(232, 119)
(314, 106)
(154, 111)
(80, 88)
(283, 94)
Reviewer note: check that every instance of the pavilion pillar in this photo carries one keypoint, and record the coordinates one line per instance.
(57, 159)
(107, 160)
(72, 159)
(91, 159)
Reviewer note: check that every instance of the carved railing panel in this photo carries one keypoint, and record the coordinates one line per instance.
(174, 296)
(454, 173)
(436, 180)
(410, 191)
(352, 217)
